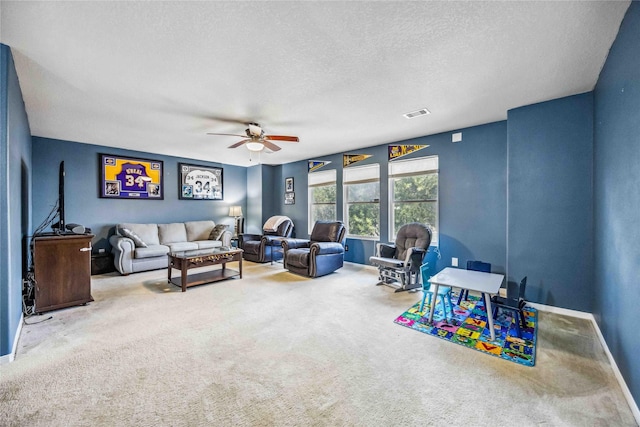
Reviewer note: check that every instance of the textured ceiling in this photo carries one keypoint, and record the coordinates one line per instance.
(157, 76)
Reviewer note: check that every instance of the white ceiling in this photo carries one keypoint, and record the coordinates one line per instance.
(157, 76)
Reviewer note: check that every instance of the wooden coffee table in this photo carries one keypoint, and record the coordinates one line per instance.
(186, 260)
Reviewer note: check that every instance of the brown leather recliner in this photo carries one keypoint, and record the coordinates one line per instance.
(321, 254)
(260, 247)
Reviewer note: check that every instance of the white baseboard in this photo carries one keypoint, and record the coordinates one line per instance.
(560, 310)
(8, 358)
(583, 315)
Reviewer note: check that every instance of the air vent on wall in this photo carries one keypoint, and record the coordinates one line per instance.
(418, 113)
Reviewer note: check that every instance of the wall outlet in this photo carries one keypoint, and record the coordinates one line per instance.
(346, 248)
(454, 262)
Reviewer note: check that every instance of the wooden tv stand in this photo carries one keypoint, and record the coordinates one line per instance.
(62, 268)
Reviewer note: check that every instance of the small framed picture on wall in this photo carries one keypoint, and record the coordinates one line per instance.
(290, 198)
(288, 185)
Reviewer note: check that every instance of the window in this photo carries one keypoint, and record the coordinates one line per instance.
(322, 197)
(362, 201)
(413, 194)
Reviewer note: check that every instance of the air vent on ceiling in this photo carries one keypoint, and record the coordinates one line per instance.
(418, 113)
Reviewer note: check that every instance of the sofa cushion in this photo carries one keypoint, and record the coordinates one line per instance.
(148, 233)
(217, 231)
(151, 251)
(182, 246)
(198, 230)
(171, 233)
(133, 236)
(207, 244)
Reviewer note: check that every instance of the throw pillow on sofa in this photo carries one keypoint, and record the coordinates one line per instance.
(217, 231)
(133, 236)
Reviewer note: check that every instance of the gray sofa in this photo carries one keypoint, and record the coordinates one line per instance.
(160, 239)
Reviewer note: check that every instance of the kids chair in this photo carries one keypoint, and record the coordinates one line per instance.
(476, 266)
(444, 292)
(514, 302)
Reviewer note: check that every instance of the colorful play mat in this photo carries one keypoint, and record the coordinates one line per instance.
(468, 327)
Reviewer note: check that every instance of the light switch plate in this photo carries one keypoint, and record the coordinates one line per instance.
(454, 262)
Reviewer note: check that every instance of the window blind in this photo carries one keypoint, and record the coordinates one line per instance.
(322, 178)
(401, 168)
(361, 174)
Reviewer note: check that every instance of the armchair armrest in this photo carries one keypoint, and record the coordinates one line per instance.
(415, 256)
(325, 248)
(269, 240)
(295, 243)
(386, 250)
(123, 249)
(247, 237)
(225, 238)
(121, 243)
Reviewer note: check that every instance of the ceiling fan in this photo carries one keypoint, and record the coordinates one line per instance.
(256, 139)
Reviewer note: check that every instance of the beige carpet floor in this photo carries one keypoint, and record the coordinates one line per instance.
(277, 349)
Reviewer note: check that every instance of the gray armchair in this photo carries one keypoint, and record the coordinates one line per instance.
(321, 254)
(399, 263)
(260, 247)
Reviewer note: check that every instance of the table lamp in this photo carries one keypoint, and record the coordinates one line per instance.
(236, 213)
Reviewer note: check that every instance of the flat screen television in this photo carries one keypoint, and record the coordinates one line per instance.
(60, 225)
(63, 222)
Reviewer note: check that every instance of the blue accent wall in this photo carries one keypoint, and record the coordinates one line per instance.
(617, 199)
(472, 185)
(15, 196)
(253, 214)
(550, 224)
(83, 206)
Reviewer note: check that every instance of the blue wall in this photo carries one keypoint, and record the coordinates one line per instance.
(472, 197)
(617, 199)
(83, 206)
(15, 196)
(253, 214)
(550, 224)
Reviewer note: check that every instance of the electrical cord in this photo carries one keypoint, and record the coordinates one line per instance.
(51, 216)
(39, 321)
(29, 283)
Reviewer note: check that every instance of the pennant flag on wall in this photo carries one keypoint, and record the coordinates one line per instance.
(349, 159)
(314, 165)
(396, 151)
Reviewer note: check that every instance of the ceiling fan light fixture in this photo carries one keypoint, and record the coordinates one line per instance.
(255, 146)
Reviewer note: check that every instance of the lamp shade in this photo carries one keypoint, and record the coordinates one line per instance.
(235, 211)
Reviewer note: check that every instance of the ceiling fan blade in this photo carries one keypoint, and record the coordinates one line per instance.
(227, 134)
(282, 138)
(239, 143)
(271, 146)
(225, 119)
